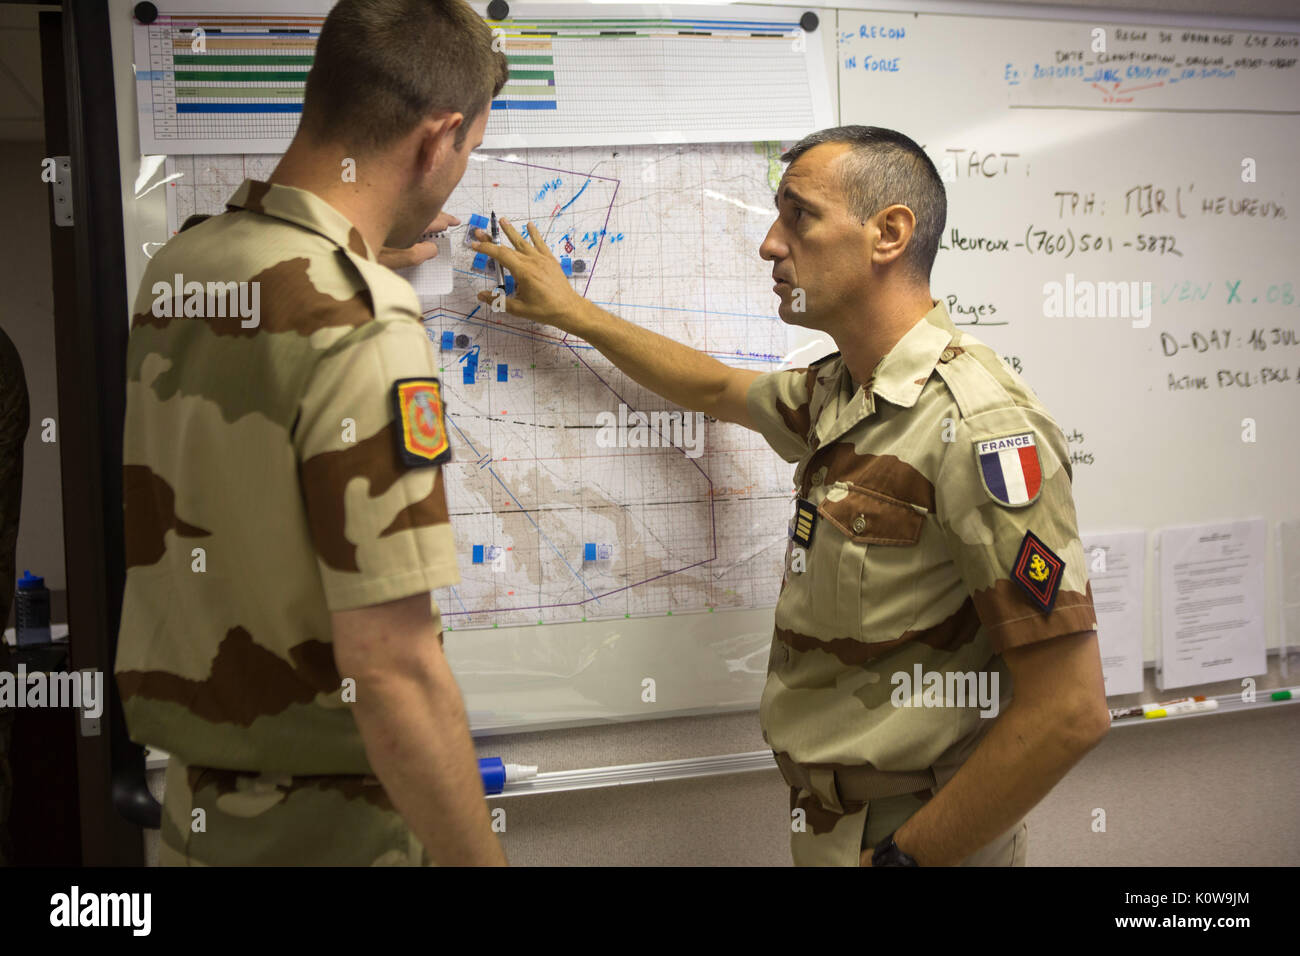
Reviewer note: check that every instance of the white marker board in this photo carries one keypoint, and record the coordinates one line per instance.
(1065, 166)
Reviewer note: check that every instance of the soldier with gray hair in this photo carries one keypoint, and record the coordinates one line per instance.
(933, 543)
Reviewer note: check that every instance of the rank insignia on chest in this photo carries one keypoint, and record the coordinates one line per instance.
(1009, 468)
(1038, 572)
(805, 521)
(421, 423)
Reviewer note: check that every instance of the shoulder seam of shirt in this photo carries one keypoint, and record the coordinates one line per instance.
(389, 304)
(960, 373)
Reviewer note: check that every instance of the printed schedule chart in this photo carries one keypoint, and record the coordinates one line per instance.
(215, 82)
(234, 83)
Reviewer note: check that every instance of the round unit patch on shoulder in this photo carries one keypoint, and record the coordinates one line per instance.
(421, 426)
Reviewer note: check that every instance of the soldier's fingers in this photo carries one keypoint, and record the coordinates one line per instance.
(507, 257)
(538, 242)
(516, 240)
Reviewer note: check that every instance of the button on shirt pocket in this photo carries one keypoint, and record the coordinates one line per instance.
(873, 581)
(870, 517)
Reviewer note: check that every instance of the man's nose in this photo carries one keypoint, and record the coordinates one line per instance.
(772, 247)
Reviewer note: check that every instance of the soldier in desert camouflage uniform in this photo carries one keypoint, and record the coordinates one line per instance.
(934, 528)
(910, 562)
(284, 503)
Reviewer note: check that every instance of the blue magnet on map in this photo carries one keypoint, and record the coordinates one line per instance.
(567, 265)
(475, 222)
(470, 359)
(483, 264)
(508, 283)
(478, 554)
(589, 551)
(503, 373)
(448, 340)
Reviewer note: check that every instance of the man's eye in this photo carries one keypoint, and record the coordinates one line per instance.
(797, 213)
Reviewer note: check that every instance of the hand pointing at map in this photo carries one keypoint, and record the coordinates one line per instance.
(678, 372)
(543, 292)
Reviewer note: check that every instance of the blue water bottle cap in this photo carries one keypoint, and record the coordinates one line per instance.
(29, 582)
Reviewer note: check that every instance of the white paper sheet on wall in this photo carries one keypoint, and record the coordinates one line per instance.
(1212, 600)
(1116, 566)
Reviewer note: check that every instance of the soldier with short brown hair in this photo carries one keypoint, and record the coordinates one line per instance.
(934, 555)
(286, 518)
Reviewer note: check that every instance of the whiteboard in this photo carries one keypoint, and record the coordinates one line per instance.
(1063, 168)
(1147, 456)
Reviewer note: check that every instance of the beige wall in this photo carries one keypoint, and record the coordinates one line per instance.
(1210, 791)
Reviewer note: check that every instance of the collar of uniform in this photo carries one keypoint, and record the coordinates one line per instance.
(903, 372)
(844, 406)
(301, 208)
(898, 378)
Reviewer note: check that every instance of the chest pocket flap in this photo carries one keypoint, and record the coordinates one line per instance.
(870, 517)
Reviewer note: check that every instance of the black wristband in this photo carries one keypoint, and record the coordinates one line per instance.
(887, 853)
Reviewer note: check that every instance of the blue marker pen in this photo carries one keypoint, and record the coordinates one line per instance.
(496, 774)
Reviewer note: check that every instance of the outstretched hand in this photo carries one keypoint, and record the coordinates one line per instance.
(542, 291)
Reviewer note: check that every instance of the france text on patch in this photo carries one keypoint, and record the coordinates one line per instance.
(1009, 468)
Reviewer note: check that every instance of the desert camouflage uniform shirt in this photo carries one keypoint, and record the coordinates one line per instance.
(274, 448)
(914, 551)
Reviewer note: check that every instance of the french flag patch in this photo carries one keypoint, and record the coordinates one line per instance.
(1009, 468)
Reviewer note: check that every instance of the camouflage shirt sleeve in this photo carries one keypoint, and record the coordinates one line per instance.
(779, 405)
(990, 541)
(379, 527)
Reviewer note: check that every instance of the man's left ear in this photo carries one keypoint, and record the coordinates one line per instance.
(431, 147)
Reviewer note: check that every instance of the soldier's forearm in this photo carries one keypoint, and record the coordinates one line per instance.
(417, 740)
(677, 372)
(1022, 758)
